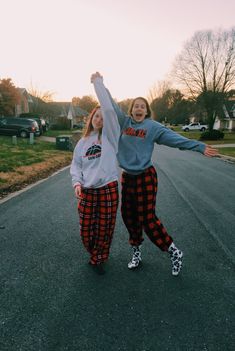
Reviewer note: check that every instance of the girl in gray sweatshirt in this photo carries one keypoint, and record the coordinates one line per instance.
(139, 133)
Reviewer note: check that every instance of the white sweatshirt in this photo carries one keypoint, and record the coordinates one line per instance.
(94, 161)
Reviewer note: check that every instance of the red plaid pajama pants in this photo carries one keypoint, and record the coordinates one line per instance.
(138, 209)
(97, 216)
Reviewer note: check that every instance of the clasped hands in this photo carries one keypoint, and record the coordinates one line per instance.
(95, 75)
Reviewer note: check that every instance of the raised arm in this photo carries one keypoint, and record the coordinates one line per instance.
(120, 114)
(111, 125)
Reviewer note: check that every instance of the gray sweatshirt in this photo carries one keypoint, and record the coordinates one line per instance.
(137, 141)
(94, 161)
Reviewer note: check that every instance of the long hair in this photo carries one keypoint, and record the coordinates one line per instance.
(147, 106)
(89, 127)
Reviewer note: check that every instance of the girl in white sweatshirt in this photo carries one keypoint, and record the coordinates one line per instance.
(94, 174)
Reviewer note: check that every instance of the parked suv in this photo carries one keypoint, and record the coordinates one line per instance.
(43, 125)
(18, 126)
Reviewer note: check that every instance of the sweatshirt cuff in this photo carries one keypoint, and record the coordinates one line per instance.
(98, 80)
(202, 147)
(76, 184)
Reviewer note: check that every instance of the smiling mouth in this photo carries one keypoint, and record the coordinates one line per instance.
(138, 114)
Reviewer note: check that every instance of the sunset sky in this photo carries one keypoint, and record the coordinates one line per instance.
(55, 45)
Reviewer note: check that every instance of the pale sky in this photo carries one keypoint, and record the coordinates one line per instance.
(57, 44)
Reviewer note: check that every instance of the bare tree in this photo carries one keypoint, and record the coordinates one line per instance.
(87, 102)
(206, 68)
(46, 96)
(125, 105)
(158, 89)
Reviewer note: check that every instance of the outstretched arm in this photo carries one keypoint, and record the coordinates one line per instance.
(170, 138)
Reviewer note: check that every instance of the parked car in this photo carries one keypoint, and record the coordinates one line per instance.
(43, 125)
(194, 126)
(79, 125)
(18, 126)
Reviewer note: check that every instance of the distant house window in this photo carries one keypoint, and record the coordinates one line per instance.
(233, 110)
(226, 124)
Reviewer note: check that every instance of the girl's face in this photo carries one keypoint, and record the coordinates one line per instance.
(97, 120)
(139, 110)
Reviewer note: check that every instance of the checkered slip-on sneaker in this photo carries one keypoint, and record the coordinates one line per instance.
(176, 261)
(136, 258)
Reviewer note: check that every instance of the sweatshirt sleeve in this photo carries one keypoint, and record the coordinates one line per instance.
(120, 114)
(76, 165)
(111, 125)
(166, 136)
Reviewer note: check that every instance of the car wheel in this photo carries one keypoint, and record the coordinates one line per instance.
(186, 130)
(23, 134)
(203, 129)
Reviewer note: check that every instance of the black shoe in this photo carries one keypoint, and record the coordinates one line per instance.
(98, 268)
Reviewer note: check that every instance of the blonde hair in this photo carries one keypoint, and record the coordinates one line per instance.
(89, 127)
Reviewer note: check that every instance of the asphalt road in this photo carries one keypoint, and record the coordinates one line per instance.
(50, 300)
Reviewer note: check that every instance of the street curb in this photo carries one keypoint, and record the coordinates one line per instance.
(227, 158)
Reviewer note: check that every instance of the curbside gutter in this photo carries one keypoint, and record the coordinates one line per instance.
(227, 158)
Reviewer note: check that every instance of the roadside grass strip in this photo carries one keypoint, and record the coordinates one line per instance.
(24, 154)
(25, 163)
(227, 151)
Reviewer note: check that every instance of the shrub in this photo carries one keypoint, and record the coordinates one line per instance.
(61, 123)
(212, 135)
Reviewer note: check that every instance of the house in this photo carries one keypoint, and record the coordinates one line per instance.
(77, 115)
(54, 111)
(193, 119)
(227, 121)
(224, 122)
(25, 102)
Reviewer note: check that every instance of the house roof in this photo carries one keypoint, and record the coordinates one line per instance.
(79, 111)
(76, 111)
(24, 92)
(67, 108)
(229, 109)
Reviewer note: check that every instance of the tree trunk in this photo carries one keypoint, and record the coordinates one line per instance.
(211, 116)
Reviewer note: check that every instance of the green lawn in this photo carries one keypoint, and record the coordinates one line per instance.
(228, 151)
(229, 137)
(55, 133)
(23, 154)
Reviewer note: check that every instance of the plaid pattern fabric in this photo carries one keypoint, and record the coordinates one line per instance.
(97, 216)
(138, 209)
